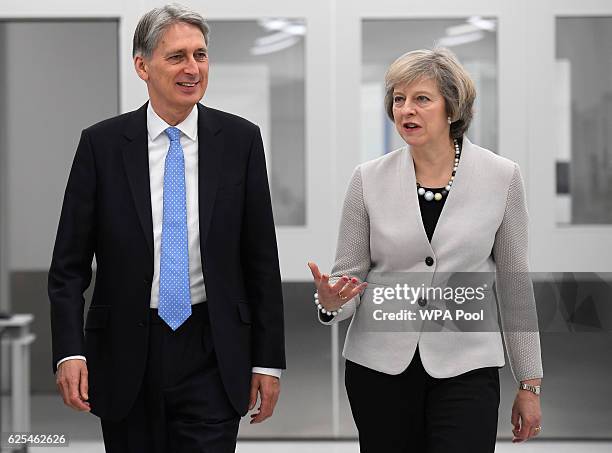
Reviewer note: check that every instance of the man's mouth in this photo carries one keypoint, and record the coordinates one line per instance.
(187, 84)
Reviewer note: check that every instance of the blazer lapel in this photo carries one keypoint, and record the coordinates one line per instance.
(460, 191)
(210, 149)
(135, 152)
(408, 178)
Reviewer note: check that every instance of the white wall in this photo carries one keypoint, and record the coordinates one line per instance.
(333, 75)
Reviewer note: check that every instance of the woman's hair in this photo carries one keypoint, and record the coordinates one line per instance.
(442, 66)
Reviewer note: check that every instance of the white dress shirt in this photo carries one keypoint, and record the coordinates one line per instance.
(158, 149)
(158, 143)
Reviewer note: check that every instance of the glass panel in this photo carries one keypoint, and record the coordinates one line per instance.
(57, 77)
(584, 117)
(43, 112)
(304, 409)
(473, 40)
(257, 71)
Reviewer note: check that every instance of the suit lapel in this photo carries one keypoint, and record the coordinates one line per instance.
(210, 149)
(135, 152)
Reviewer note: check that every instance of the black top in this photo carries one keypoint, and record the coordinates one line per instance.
(430, 211)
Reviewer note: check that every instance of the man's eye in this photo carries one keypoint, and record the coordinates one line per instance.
(200, 56)
(174, 57)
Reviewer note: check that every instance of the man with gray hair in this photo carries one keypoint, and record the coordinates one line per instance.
(185, 327)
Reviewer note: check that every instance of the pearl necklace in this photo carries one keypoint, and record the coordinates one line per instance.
(437, 196)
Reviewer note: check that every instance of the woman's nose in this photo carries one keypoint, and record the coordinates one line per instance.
(408, 108)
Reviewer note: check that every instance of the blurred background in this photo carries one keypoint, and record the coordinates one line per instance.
(311, 75)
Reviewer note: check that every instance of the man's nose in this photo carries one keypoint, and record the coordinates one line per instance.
(191, 66)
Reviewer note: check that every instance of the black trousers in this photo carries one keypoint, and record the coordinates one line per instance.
(182, 406)
(414, 412)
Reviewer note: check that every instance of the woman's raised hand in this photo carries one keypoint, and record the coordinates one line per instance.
(332, 297)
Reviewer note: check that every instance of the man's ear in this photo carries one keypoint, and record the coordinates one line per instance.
(142, 68)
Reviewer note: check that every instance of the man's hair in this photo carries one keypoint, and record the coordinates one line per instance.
(152, 25)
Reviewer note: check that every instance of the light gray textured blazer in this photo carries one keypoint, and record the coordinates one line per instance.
(482, 228)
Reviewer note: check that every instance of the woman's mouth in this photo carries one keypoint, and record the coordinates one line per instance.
(411, 127)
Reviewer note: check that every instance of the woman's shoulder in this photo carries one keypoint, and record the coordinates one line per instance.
(490, 162)
(383, 163)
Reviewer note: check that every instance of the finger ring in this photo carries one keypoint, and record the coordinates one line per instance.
(342, 296)
(537, 429)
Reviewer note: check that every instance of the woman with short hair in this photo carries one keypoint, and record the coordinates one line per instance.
(437, 207)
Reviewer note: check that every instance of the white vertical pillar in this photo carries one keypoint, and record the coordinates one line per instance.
(4, 280)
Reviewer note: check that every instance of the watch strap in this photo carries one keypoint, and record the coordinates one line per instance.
(535, 389)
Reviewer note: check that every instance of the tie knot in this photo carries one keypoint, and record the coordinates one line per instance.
(173, 134)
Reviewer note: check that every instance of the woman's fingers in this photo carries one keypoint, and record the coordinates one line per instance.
(344, 289)
(314, 270)
(357, 289)
(348, 287)
(325, 280)
(347, 291)
(321, 280)
(337, 287)
(533, 431)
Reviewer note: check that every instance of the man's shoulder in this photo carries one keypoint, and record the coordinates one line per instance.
(114, 124)
(118, 123)
(227, 119)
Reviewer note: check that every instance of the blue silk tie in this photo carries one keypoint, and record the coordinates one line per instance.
(174, 296)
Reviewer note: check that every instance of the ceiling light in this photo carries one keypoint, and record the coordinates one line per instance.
(450, 41)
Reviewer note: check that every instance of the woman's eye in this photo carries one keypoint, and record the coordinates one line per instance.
(398, 99)
(422, 98)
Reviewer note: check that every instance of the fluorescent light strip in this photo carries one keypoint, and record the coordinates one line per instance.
(271, 48)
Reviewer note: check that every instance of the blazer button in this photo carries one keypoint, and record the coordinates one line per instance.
(142, 324)
(422, 301)
(429, 261)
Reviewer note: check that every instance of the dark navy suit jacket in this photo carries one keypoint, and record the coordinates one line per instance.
(107, 212)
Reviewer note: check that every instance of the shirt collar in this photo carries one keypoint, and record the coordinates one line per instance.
(156, 126)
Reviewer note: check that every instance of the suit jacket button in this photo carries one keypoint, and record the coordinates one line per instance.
(429, 261)
(141, 324)
(422, 301)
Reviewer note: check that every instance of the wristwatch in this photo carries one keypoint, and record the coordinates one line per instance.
(535, 389)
